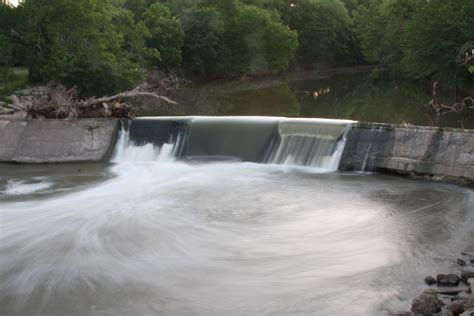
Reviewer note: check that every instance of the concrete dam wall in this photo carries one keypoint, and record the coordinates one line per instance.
(47, 141)
(439, 153)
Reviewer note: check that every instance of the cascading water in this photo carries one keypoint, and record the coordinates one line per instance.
(300, 142)
(127, 150)
(153, 234)
(314, 143)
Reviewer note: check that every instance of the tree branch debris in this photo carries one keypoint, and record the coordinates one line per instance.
(59, 102)
(441, 108)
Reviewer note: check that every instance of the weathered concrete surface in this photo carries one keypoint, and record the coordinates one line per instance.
(10, 134)
(42, 141)
(446, 154)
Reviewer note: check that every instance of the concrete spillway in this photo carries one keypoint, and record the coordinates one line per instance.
(301, 142)
(441, 153)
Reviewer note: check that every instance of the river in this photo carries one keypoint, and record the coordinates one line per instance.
(150, 234)
(369, 96)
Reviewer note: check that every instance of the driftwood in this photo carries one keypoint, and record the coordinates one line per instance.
(62, 103)
(125, 95)
(16, 104)
(441, 108)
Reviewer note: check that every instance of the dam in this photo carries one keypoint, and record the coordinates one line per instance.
(228, 215)
(316, 143)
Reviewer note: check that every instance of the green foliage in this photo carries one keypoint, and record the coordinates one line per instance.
(433, 38)
(137, 7)
(165, 36)
(417, 37)
(323, 27)
(204, 52)
(229, 38)
(78, 42)
(258, 44)
(103, 46)
(12, 80)
(380, 26)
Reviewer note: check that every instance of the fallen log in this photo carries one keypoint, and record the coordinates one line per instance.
(16, 104)
(62, 103)
(129, 94)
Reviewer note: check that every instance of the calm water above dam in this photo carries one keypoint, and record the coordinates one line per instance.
(150, 234)
(369, 97)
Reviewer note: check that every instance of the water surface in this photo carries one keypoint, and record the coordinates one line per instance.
(233, 238)
(361, 96)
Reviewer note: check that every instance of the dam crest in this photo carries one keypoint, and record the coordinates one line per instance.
(317, 143)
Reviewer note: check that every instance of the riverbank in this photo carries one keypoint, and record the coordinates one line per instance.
(447, 294)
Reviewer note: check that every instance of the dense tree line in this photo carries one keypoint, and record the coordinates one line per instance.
(419, 38)
(103, 46)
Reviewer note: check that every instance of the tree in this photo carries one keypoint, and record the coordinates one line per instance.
(433, 38)
(204, 52)
(76, 42)
(230, 38)
(165, 35)
(380, 26)
(259, 44)
(138, 7)
(323, 28)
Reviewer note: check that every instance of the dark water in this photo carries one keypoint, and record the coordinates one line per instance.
(368, 96)
(166, 237)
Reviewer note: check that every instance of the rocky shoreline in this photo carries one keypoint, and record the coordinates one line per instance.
(448, 294)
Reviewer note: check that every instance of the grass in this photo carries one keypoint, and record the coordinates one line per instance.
(17, 79)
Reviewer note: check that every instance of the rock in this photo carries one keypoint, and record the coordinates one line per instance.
(427, 303)
(457, 307)
(430, 280)
(469, 255)
(448, 279)
(461, 262)
(446, 299)
(2, 103)
(469, 304)
(452, 290)
(461, 299)
(404, 314)
(444, 313)
(468, 313)
(467, 273)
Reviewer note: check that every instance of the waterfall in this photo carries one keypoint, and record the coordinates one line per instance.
(310, 142)
(128, 150)
(315, 143)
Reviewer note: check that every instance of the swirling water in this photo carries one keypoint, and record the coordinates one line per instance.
(167, 237)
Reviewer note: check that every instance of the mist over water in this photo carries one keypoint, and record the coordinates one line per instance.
(156, 235)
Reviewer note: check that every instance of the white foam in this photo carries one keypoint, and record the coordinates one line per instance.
(21, 187)
(127, 150)
(312, 143)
